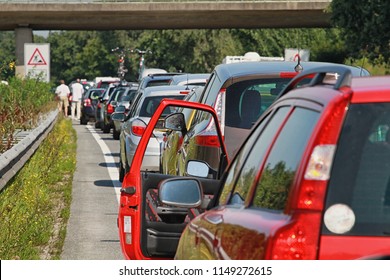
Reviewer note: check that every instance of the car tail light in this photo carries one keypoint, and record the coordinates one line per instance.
(311, 194)
(184, 92)
(209, 136)
(138, 127)
(320, 163)
(297, 240)
(207, 140)
(219, 106)
(110, 108)
(87, 102)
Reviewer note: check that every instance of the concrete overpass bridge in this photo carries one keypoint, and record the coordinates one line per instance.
(24, 16)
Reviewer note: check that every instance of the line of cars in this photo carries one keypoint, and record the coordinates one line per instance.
(306, 176)
(261, 162)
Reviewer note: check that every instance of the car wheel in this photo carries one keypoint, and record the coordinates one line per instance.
(106, 128)
(116, 134)
(83, 120)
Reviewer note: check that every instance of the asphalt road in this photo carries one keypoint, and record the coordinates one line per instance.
(92, 232)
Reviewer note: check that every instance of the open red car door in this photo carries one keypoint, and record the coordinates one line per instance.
(147, 228)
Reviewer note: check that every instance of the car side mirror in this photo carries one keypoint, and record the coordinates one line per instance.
(199, 168)
(182, 192)
(120, 109)
(117, 116)
(176, 122)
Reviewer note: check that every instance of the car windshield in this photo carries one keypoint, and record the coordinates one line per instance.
(360, 174)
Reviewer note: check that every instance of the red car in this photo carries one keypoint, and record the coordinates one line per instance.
(311, 181)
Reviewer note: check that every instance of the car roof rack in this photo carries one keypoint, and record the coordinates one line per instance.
(343, 78)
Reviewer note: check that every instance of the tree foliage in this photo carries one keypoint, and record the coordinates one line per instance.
(7, 54)
(88, 54)
(365, 27)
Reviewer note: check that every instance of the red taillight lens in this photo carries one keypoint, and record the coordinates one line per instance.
(311, 194)
(207, 140)
(110, 109)
(138, 128)
(87, 102)
(298, 240)
(219, 103)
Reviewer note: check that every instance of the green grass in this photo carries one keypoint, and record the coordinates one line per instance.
(35, 205)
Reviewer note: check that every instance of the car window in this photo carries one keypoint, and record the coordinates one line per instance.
(211, 91)
(95, 94)
(360, 176)
(245, 101)
(150, 104)
(154, 83)
(241, 176)
(281, 164)
(134, 105)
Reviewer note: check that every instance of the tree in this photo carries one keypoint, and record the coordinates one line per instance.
(7, 55)
(365, 27)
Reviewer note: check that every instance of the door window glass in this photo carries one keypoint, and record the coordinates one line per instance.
(283, 160)
(243, 175)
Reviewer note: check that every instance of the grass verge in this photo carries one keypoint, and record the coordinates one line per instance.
(35, 205)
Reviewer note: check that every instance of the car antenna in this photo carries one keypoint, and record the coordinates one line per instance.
(361, 67)
(298, 68)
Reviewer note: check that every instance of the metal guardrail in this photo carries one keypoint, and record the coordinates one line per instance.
(12, 160)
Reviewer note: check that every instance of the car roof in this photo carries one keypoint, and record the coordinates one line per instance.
(372, 89)
(367, 89)
(226, 71)
(190, 76)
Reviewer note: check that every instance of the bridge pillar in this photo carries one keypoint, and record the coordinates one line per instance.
(22, 35)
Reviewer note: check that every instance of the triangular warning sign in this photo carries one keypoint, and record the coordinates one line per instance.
(37, 58)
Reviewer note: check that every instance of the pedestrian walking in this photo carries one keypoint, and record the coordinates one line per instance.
(62, 92)
(77, 94)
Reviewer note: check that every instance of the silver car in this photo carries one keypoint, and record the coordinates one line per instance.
(141, 111)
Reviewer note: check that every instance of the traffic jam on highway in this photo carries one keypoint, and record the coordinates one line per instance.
(256, 160)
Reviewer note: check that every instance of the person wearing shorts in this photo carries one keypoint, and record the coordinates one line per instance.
(62, 92)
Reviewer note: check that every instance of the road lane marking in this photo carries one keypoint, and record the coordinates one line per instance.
(110, 161)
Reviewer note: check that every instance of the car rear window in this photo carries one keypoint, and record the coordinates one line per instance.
(247, 100)
(155, 83)
(360, 177)
(150, 105)
(95, 94)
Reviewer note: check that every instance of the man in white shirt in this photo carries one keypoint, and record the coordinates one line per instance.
(62, 92)
(77, 94)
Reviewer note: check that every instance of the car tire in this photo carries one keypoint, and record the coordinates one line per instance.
(115, 134)
(83, 120)
(106, 128)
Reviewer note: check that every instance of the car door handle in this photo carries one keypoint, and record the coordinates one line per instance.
(214, 218)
